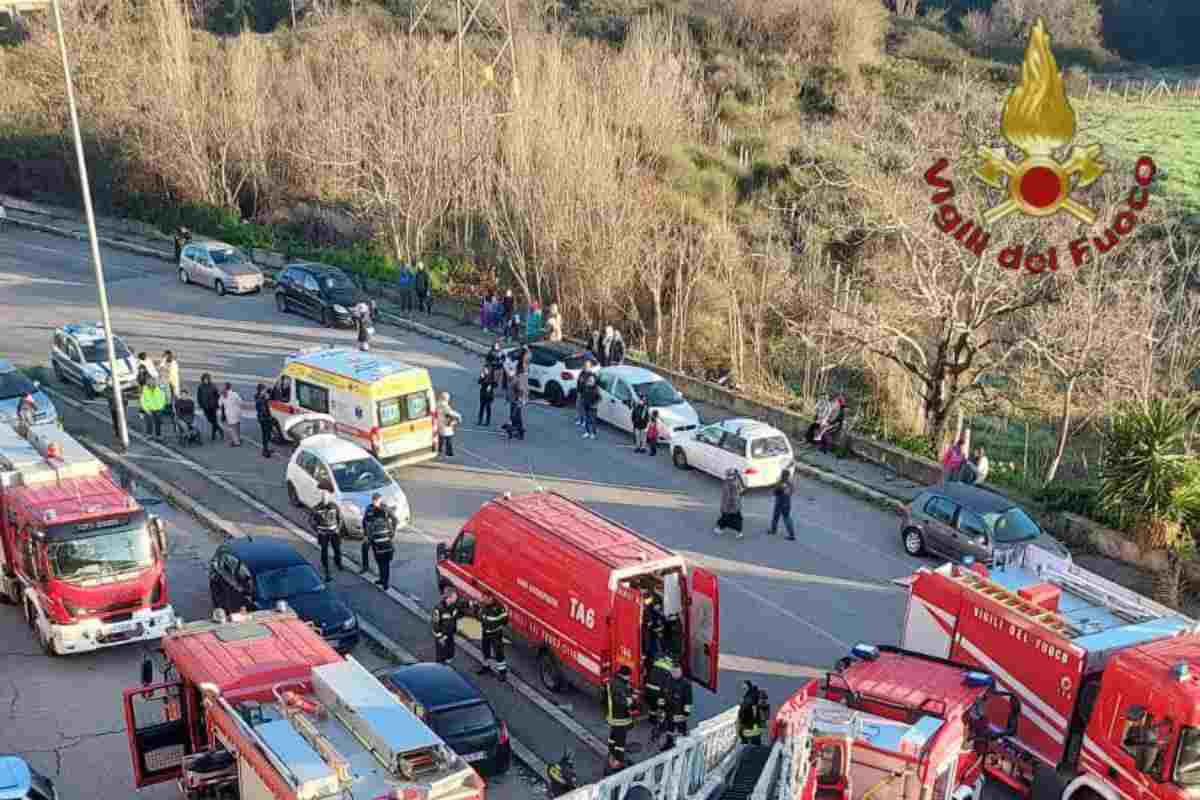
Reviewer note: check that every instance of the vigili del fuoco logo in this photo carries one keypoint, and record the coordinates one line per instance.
(1038, 121)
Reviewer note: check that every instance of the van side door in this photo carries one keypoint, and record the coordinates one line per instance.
(702, 634)
(627, 634)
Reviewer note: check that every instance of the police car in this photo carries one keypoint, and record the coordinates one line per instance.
(79, 354)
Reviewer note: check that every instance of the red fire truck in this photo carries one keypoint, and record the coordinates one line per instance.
(258, 706)
(80, 556)
(1107, 679)
(890, 724)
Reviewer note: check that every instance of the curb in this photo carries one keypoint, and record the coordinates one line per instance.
(216, 523)
(861, 491)
(113, 243)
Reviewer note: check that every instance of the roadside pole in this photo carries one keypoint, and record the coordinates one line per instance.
(86, 191)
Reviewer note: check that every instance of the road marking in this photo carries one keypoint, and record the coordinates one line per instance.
(726, 566)
(782, 669)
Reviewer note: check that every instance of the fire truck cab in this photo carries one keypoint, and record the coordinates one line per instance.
(257, 706)
(78, 554)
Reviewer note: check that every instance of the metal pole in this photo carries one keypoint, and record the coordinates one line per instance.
(293, 14)
(462, 123)
(85, 189)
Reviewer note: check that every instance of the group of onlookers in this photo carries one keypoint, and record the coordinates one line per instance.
(958, 466)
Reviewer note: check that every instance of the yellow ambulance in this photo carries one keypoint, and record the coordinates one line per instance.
(384, 406)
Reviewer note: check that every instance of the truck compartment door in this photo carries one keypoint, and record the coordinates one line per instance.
(627, 633)
(703, 633)
(158, 737)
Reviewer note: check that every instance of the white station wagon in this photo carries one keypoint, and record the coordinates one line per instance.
(617, 387)
(756, 450)
(221, 266)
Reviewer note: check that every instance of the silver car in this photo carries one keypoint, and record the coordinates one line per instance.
(326, 463)
(220, 266)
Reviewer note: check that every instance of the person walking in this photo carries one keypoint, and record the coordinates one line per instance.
(590, 391)
(487, 395)
(153, 401)
(493, 616)
(379, 533)
(782, 491)
(619, 716)
(362, 320)
(731, 504)
(266, 423)
(447, 420)
(652, 433)
(231, 414)
(679, 706)
(327, 524)
(444, 620)
(753, 713)
(641, 422)
(554, 324)
(405, 281)
(421, 287)
(209, 400)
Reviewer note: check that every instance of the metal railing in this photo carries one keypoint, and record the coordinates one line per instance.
(786, 771)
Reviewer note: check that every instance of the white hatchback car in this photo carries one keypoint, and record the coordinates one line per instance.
(328, 463)
(617, 385)
(756, 450)
(221, 266)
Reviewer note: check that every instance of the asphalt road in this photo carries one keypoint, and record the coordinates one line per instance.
(786, 607)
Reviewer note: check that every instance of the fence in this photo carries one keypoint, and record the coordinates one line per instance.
(1141, 92)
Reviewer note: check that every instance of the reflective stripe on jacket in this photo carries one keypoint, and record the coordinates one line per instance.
(494, 618)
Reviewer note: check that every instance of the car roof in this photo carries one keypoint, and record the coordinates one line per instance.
(266, 553)
(333, 449)
(85, 332)
(974, 498)
(436, 686)
(633, 374)
(559, 348)
(749, 428)
(316, 267)
(214, 244)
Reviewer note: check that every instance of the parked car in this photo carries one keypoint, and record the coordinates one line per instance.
(554, 368)
(755, 449)
(79, 354)
(322, 292)
(19, 781)
(453, 706)
(957, 520)
(617, 385)
(221, 266)
(14, 387)
(328, 463)
(257, 574)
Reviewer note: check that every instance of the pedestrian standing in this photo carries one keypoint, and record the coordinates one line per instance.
(606, 346)
(266, 424)
(405, 280)
(590, 389)
(209, 400)
(652, 433)
(487, 394)
(783, 505)
(533, 325)
(679, 706)
(231, 414)
(513, 330)
(976, 469)
(616, 350)
(379, 533)
(447, 420)
(620, 717)
(518, 396)
(421, 288)
(554, 324)
(445, 619)
(146, 364)
(580, 403)
(510, 308)
(594, 342)
(168, 369)
(153, 401)
(953, 458)
(493, 616)
(362, 320)
(327, 523)
(641, 422)
(731, 504)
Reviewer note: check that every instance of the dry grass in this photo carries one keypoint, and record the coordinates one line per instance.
(845, 33)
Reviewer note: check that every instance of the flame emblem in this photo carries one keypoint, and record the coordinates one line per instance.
(1038, 119)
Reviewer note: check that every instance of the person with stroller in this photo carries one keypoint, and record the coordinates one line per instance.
(731, 504)
(185, 419)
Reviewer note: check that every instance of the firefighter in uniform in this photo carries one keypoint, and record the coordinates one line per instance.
(445, 625)
(561, 775)
(493, 616)
(379, 533)
(679, 706)
(752, 715)
(653, 629)
(657, 684)
(620, 717)
(327, 523)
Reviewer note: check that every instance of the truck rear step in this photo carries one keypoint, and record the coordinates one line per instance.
(750, 767)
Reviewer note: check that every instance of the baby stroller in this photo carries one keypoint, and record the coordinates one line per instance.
(185, 421)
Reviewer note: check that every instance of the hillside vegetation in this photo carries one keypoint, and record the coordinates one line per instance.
(735, 183)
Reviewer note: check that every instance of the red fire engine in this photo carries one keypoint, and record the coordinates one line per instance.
(79, 554)
(1107, 678)
(258, 706)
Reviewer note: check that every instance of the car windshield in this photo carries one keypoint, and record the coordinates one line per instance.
(659, 393)
(101, 556)
(464, 719)
(230, 256)
(769, 447)
(1013, 525)
(280, 584)
(13, 384)
(1187, 765)
(336, 283)
(361, 475)
(97, 351)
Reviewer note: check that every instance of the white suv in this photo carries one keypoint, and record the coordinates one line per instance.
(79, 354)
(756, 450)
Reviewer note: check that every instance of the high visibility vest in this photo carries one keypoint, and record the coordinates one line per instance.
(618, 707)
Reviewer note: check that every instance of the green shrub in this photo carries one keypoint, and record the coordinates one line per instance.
(1082, 499)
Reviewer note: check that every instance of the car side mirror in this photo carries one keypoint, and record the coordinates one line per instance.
(147, 671)
(443, 551)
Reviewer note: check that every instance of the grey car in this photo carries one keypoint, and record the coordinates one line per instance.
(957, 520)
(221, 266)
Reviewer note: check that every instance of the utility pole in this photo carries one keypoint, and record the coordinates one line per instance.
(462, 124)
(293, 14)
(85, 189)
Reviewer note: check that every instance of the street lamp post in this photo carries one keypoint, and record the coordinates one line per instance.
(85, 189)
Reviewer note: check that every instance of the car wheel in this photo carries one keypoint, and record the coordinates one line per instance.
(554, 394)
(680, 458)
(282, 304)
(550, 671)
(325, 320)
(914, 542)
(183, 276)
(220, 287)
(295, 498)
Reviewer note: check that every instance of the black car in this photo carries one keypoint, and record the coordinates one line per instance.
(318, 291)
(457, 711)
(258, 573)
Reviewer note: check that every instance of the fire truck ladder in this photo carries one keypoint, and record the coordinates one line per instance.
(1014, 602)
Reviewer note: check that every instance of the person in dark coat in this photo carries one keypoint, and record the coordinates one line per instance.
(753, 715)
(327, 524)
(444, 621)
(362, 321)
(422, 288)
(266, 424)
(783, 505)
(595, 347)
(679, 706)
(379, 531)
(619, 716)
(641, 422)
(510, 308)
(487, 394)
(518, 396)
(731, 504)
(616, 350)
(589, 393)
(209, 400)
(493, 617)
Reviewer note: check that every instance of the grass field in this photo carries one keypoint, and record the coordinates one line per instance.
(1170, 133)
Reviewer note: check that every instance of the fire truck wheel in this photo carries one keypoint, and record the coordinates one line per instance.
(914, 542)
(295, 498)
(550, 671)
